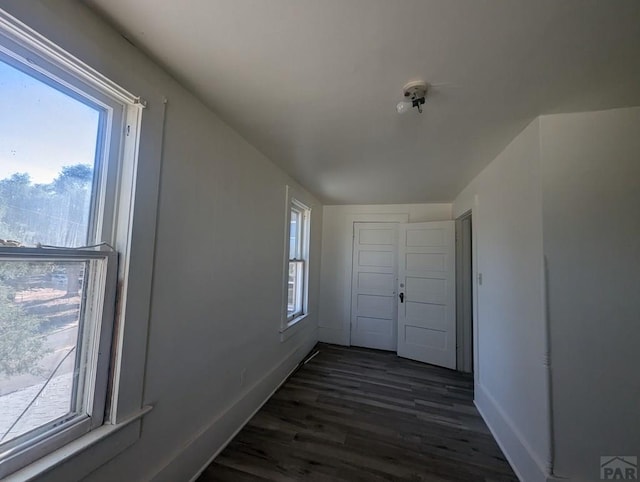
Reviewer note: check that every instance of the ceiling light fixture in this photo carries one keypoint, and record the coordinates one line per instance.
(414, 93)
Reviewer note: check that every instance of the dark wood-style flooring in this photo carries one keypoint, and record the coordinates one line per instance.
(354, 414)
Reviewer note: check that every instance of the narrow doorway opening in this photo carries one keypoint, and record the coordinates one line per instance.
(464, 293)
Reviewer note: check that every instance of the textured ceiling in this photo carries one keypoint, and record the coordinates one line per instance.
(313, 83)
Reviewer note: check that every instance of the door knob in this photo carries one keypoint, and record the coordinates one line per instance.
(401, 295)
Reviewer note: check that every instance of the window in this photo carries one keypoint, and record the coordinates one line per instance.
(298, 218)
(67, 138)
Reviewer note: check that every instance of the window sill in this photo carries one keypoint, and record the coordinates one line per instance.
(292, 327)
(115, 439)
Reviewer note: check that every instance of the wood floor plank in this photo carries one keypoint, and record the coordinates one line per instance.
(354, 414)
(222, 473)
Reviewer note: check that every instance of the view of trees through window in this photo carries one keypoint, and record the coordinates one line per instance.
(55, 214)
(40, 301)
(48, 145)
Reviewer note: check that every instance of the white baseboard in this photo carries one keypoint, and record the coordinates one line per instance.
(515, 448)
(215, 436)
(334, 336)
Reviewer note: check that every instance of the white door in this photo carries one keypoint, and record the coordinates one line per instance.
(426, 281)
(373, 297)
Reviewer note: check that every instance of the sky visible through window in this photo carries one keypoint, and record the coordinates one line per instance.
(47, 156)
(42, 129)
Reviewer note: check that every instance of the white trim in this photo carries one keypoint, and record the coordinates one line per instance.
(70, 450)
(123, 231)
(32, 40)
(293, 322)
(524, 462)
(293, 327)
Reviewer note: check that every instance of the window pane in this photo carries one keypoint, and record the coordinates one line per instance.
(41, 308)
(292, 291)
(47, 156)
(295, 292)
(293, 234)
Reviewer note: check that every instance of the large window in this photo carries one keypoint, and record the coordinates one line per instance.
(297, 261)
(63, 139)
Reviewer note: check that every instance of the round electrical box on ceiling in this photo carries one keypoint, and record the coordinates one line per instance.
(414, 96)
(415, 90)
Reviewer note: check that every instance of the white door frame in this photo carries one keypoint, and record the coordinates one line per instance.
(348, 264)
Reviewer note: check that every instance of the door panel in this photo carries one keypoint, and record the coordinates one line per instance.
(430, 261)
(373, 296)
(382, 236)
(419, 337)
(376, 282)
(381, 259)
(417, 237)
(436, 314)
(375, 306)
(425, 290)
(373, 325)
(426, 277)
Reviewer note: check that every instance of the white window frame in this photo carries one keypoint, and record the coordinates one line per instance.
(113, 211)
(293, 203)
(95, 345)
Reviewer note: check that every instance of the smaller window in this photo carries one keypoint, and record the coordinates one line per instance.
(297, 265)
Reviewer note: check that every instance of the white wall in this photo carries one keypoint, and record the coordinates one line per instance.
(568, 189)
(591, 202)
(215, 306)
(337, 248)
(511, 388)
